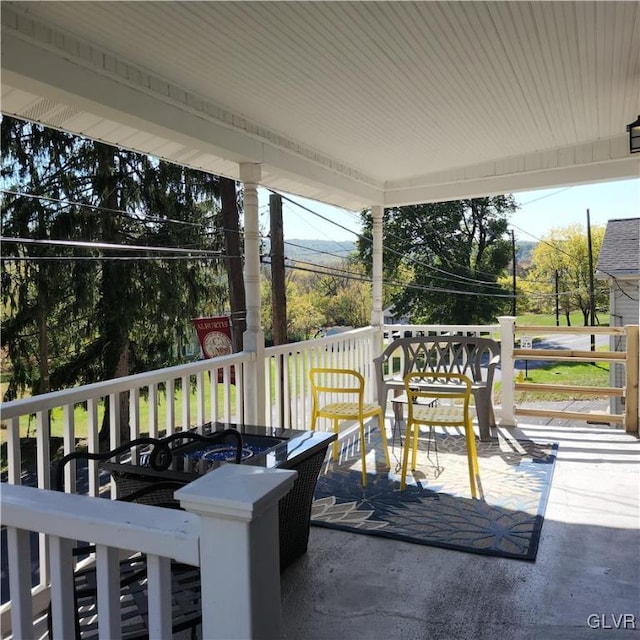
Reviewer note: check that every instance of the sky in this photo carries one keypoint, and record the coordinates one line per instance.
(540, 211)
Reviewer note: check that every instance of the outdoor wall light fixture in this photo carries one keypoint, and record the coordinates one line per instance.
(634, 136)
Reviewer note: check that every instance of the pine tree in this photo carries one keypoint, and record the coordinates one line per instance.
(79, 314)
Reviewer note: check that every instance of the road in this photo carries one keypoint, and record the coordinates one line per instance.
(557, 341)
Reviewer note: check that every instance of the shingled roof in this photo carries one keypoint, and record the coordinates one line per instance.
(620, 251)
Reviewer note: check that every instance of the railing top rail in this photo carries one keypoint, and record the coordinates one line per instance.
(477, 328)
(319, 342)
(541, 330)
(46, 401)
(170, 533)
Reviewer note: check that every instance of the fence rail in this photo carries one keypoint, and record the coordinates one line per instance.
(629, 358)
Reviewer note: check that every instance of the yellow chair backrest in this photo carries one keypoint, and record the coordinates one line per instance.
(327, 380)
(428, 386)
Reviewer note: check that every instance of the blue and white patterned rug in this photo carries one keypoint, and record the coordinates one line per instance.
(436, 508)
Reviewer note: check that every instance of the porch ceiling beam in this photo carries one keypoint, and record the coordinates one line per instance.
(86, 81)
(608, 160)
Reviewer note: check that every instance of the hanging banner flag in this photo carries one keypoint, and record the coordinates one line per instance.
(214, 335)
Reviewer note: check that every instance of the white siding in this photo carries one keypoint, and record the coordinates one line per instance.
(625, 309)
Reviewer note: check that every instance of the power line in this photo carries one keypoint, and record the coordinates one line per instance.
(332, 271)
(553, 246)
(566, 253)
(132, 216)
(327, 253)
(453, 276)
(549, 195)
(464, 278)
(315, 213)
(81, 244)
(105, 258)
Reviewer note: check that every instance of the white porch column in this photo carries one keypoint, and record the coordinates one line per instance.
(507, 333)
(239, 549)
(254, 401)
(377, 318)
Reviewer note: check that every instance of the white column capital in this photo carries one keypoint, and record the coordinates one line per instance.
(250, 172)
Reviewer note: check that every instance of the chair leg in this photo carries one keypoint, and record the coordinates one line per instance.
(475, 458)
(472, 457)
(363, 450)
(405, 456)
(385, 444)
(414, 452)
(336, 430)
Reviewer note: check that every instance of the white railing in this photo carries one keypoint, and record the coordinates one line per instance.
(156, 402)
(287, 388)
(218, 531)
(393, 331)
(159, 394)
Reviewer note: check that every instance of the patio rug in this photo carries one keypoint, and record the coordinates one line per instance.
(436, 508)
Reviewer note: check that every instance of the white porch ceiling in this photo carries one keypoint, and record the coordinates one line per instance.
(353, 103)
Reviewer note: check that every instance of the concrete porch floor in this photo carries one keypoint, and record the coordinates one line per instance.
(586, 575)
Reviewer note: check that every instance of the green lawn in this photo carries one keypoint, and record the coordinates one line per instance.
(549, 319)
(28, 423)
(584, 374)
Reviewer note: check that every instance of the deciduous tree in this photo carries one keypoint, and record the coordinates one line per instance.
(565, 250)
(451, 255)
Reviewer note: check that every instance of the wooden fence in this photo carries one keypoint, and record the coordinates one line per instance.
(629, 358)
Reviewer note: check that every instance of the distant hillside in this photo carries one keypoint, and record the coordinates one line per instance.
(318, 251)
(524, 249)
(331, 251)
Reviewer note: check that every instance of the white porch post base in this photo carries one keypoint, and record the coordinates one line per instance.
(239, 549)
(507, 333)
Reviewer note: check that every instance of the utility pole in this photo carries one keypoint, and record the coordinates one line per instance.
(592, 297)
(278, 288)
(557, 302)
(278, 295)
(233, 260)
(513, 261)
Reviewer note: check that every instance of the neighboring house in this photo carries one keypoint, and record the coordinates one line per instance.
(619, 263)
(325, 332)
(389, 317)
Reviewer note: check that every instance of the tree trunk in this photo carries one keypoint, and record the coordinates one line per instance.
(116, 277)
(43, 335)
(233, 260)
(278, 283)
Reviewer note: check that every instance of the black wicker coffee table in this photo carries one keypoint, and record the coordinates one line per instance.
(302, 451)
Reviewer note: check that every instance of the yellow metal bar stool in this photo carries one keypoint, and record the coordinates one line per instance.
(453, 393)
(338, 394)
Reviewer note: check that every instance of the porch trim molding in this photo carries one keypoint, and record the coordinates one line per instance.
(597, 161)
